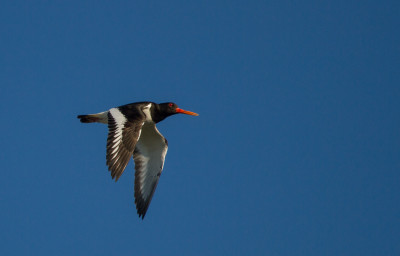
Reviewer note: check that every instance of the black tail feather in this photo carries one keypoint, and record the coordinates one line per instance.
(88, 118)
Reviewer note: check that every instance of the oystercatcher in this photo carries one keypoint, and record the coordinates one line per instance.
(132, 131)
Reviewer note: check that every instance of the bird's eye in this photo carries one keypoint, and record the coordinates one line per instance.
(170, 104)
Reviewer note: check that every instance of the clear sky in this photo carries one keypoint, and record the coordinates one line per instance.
(295, 152)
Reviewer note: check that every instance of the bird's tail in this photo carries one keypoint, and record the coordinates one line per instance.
(87, 118)
(94, 118)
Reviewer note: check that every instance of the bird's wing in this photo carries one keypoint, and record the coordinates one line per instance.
(123, 135)
(149, 156)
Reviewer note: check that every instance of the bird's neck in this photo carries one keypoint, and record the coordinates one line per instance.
(157, 114)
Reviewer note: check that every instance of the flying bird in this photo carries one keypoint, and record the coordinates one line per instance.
(132, 131)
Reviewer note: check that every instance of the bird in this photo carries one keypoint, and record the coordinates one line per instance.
(132, 131)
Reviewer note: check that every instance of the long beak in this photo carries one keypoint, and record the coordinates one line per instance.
(179, 110)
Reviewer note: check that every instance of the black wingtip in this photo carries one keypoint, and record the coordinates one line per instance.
(141, 208)
(141, 213)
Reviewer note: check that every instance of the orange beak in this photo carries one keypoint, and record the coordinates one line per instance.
(179, 110)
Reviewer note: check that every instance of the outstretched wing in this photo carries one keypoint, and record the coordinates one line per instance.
(149, 156)
(123, 135)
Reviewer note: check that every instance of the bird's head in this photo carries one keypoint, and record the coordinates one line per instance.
(170, 108)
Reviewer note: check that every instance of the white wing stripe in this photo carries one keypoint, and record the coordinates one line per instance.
(115, 149)
(120, 121)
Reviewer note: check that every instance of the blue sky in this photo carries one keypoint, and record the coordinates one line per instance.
(295, 152)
